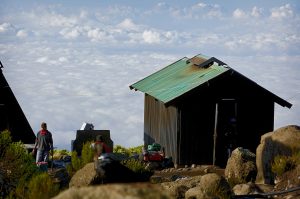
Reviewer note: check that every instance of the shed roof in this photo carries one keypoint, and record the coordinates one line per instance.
(184, 75)
(12, 116)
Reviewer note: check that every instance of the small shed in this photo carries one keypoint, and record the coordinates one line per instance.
(199, 109)
(12, 116)
(89, 135)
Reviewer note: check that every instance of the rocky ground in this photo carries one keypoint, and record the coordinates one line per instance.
(201, 181)
(171, 174)
(172, 183)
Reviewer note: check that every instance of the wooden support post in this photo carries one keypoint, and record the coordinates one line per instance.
(215, 135)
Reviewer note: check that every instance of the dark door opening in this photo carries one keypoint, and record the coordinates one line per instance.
(226, 130)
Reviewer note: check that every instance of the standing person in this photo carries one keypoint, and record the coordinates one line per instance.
(100, 146)
(43, 144)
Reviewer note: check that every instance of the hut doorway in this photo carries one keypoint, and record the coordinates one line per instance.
(225, 130)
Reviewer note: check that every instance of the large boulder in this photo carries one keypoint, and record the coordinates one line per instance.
(211, 186)
(85, 176)
(283, 141)
(60, 176)
(245, 189)
(241, 166)
(178, 187)
(106, 170)
(116, 191)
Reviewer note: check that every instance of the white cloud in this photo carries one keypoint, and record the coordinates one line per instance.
(70, 33)
(171, 37)
(201, 5)
(256, 12)
(58, 20)
(197, 11)
(63, 59)
(83, 14)
(239, 13)
(22, 33)
(42, 17)
(283, 11)
(97, 34)
(5, 27)
(151, 37)
(260, 42)
(133, 120)
(214, 13)
(42, 60)
(127, 24)
(89, 81)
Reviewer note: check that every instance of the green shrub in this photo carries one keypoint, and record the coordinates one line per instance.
(142, 173)
(76, 161)
(87, 153)
(5, 141)
(218, 192)
(135, 165)
(41, 186)
(234, 181)
(70, 170)
(122, 150)
(136, 150)
(128, 152)
(282, 164)
(16, 166)
(58, 153)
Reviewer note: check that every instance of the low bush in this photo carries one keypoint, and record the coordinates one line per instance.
(41, 186)
(128, 152)
(282, 164)
(142, 173)
(77, 162)
(135, 165)
(87, 153)
(121, 150)
(17, 166)
(58, 153)
(136, 150)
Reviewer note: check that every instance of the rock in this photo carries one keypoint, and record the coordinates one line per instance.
(245, 189)
(280, 142)
(241, 166)
(116, 191)
(156, 179)
(180, 191)
(168, 163)
(111, 171)
(288, 179)
(175, 177)
(211, 186)
(193, 166)
(106, 171)
(181, 185)
(85, 176)
(153, 166)
(60, 176)
(197, 193)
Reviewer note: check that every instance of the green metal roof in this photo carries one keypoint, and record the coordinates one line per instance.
(180, 77)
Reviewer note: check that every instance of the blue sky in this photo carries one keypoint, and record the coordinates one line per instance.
(70, 62)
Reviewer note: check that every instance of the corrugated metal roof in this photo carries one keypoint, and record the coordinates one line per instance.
(179, 78)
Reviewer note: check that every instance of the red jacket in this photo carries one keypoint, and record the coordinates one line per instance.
(106, 149)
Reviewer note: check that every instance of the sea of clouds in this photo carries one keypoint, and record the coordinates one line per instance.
(69, 65)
